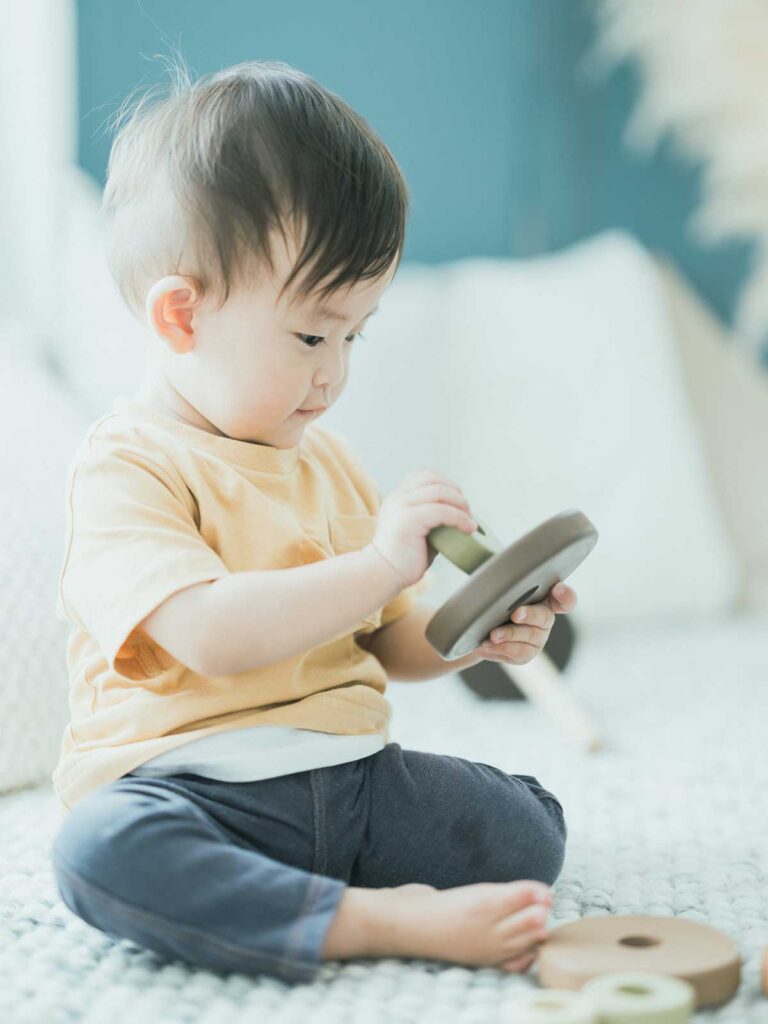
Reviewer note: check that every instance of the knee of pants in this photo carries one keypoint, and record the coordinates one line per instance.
(552, 853)
(104, 836)
(542, 835)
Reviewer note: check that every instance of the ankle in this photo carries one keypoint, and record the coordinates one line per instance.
(356, 928)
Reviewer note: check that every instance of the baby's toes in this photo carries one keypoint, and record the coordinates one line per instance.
(519, 895)
(518, 964)
(523, 944)
(531, 918)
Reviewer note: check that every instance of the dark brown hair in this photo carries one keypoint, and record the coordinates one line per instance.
(198, 180)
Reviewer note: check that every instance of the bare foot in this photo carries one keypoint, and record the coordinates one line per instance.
(497, 924)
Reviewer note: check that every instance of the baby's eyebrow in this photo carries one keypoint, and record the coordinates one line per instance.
(324, 313)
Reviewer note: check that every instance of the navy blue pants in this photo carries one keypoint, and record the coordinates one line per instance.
(247, 876)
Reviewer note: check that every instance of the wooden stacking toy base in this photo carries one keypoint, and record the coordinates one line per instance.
(500, 580)
(697, 953)
(634, 997)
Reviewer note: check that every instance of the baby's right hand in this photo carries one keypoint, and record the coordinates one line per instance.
(423, 500)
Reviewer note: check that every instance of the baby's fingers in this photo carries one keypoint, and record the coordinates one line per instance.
(514, 653)
(561, 599)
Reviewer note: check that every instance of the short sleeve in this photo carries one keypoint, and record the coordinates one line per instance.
(132, 541)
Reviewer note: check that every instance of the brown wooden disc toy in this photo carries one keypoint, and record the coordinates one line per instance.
(697, 953)
(501, 578)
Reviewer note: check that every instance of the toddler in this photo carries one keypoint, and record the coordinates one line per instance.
(240, 592)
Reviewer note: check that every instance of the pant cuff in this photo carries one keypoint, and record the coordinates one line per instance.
(306, 935)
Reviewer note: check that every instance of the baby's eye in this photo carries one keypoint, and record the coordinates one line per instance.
(313, 340)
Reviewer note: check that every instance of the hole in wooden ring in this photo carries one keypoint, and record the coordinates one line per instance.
(523, 599)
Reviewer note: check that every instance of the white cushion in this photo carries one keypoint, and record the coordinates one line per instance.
(41, 426)
(541, 385)
(729, 393)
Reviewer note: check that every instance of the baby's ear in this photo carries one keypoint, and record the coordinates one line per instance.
(171, 304)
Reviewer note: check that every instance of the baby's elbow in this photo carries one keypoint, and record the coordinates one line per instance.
(180, 625)
(212, 661)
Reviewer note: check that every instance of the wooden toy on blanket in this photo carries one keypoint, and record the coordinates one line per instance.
(764, 972)
(705, 957)
(622, 998)
(502, 578)
(642, 997)
(552, 1007)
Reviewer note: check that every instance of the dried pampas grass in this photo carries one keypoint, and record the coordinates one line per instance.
(704, 71)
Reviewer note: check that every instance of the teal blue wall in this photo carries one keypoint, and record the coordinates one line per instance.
(508, 147)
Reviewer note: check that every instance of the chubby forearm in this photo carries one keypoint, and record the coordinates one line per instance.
(406, 654)
(260, 617)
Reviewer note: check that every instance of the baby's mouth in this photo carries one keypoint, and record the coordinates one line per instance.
(312, 412)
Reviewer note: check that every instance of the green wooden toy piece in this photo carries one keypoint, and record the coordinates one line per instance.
(467, 551)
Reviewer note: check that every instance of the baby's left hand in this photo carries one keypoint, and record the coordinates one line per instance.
(519, 644)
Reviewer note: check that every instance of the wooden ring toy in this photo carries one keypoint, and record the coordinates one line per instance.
(642, 997)
(555, 1006)
(764, 972)
(697, 953)
(502, 578)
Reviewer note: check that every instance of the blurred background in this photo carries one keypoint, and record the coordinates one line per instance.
(509, 136)
(510, 118)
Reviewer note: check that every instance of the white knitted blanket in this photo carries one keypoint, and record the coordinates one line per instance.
(669, 819)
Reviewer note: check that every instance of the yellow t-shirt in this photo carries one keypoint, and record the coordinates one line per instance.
(155, 505)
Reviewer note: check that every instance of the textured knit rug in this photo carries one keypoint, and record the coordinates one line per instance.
(670, 819)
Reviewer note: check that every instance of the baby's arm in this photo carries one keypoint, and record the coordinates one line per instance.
(406, 654)
(248, 619)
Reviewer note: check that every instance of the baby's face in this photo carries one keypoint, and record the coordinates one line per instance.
(254, 362)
